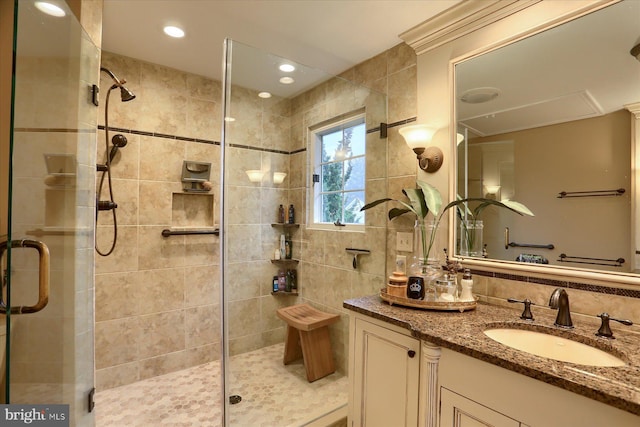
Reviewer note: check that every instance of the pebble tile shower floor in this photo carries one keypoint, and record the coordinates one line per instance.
(273, 395)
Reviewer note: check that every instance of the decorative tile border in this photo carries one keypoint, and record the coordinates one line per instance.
(159, 135)
(246, 147)
(631, 293)
(54, 130)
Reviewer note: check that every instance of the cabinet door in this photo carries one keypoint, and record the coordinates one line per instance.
(386, 377)
(458, 411)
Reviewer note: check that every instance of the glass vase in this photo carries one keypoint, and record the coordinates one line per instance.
(426, 262)
(470, 238)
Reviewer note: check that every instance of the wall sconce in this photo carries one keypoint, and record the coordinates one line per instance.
(255, 175)
(417, 137)
(492, 191)
(278, 177)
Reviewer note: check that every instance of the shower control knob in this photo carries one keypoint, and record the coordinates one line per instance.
(106, 205)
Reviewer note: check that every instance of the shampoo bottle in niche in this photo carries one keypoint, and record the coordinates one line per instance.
(292, 215)
(467, 286)
(281, 214)
(283, 248)
(288, 249)
(282, 280)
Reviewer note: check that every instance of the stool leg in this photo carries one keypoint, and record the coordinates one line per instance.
(317, 355)
(292, 350)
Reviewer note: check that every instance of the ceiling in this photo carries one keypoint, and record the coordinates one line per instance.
(589, 73)
(330, 35)
(574, 71)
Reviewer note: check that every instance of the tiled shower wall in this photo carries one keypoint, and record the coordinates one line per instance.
(157, 298)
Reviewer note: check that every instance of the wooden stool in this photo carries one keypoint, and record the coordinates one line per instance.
(308, 337)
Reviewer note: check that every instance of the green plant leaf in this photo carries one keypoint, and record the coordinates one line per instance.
(518, 207)
(432, 197)
(416, 197)
(374, 203)
(396, 212)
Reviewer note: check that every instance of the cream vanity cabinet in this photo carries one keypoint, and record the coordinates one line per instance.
(476, 393)
(397, 380)
(384, 374)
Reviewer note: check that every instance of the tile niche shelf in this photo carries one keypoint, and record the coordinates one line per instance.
(284, 262)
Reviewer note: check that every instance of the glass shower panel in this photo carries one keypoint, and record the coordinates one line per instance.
(266, 128)
(49, 245)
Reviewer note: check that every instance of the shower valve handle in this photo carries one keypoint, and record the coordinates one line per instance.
(106, 205)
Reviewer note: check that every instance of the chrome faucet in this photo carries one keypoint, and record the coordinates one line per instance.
(560, 300)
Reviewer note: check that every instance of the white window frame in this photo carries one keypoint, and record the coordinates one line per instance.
(315, 150)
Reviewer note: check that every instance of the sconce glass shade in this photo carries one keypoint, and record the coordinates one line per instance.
(417, 136)
(278, 177)
(255, 175)
(492, 189)
(459, 138)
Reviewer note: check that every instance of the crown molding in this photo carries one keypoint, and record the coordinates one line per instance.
(459, 20)
(634, 109)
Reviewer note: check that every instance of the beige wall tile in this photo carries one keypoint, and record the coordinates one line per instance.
(202, 325)
(160, 290)
(163, 364)
(244, 318)
(125, 254)
(117, 295)
(161, 158)
(117, 376)
(158, 333)
(156, 202)
(402, 94)
(117, 342)
(400, 56)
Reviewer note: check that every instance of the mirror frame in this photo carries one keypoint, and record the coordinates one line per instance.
(512, 267)
(470, 29)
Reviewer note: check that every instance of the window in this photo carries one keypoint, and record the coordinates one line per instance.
(338, 159)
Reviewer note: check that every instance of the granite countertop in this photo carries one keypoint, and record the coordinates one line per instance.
(462, 332)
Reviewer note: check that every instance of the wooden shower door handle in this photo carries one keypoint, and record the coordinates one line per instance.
(43, 285)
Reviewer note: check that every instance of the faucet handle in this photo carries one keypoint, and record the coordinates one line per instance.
(526, 314)
(605, 329)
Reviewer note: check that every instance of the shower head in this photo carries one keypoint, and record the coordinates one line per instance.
(119, 141)
(125, 94)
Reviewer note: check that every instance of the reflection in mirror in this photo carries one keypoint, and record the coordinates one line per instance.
(544, 123)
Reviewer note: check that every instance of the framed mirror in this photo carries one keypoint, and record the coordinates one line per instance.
(546, 121)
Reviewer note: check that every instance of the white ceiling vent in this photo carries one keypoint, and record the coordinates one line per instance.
(574, 106)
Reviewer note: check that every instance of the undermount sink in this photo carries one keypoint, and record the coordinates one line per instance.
(553, 347)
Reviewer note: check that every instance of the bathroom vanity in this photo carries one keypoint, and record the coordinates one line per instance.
(412, 367)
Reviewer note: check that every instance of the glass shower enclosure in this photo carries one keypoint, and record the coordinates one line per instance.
(268, 115)
(46, 236)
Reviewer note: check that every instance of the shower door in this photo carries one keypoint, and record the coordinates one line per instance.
(266, 135)
(46, 225)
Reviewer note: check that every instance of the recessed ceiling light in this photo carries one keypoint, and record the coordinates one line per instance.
(286, 80)
(287, 68)
(172, 31)
(264, 95)
(50, 9)
(480, 95)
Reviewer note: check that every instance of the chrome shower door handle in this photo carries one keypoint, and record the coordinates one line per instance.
(43, 285)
